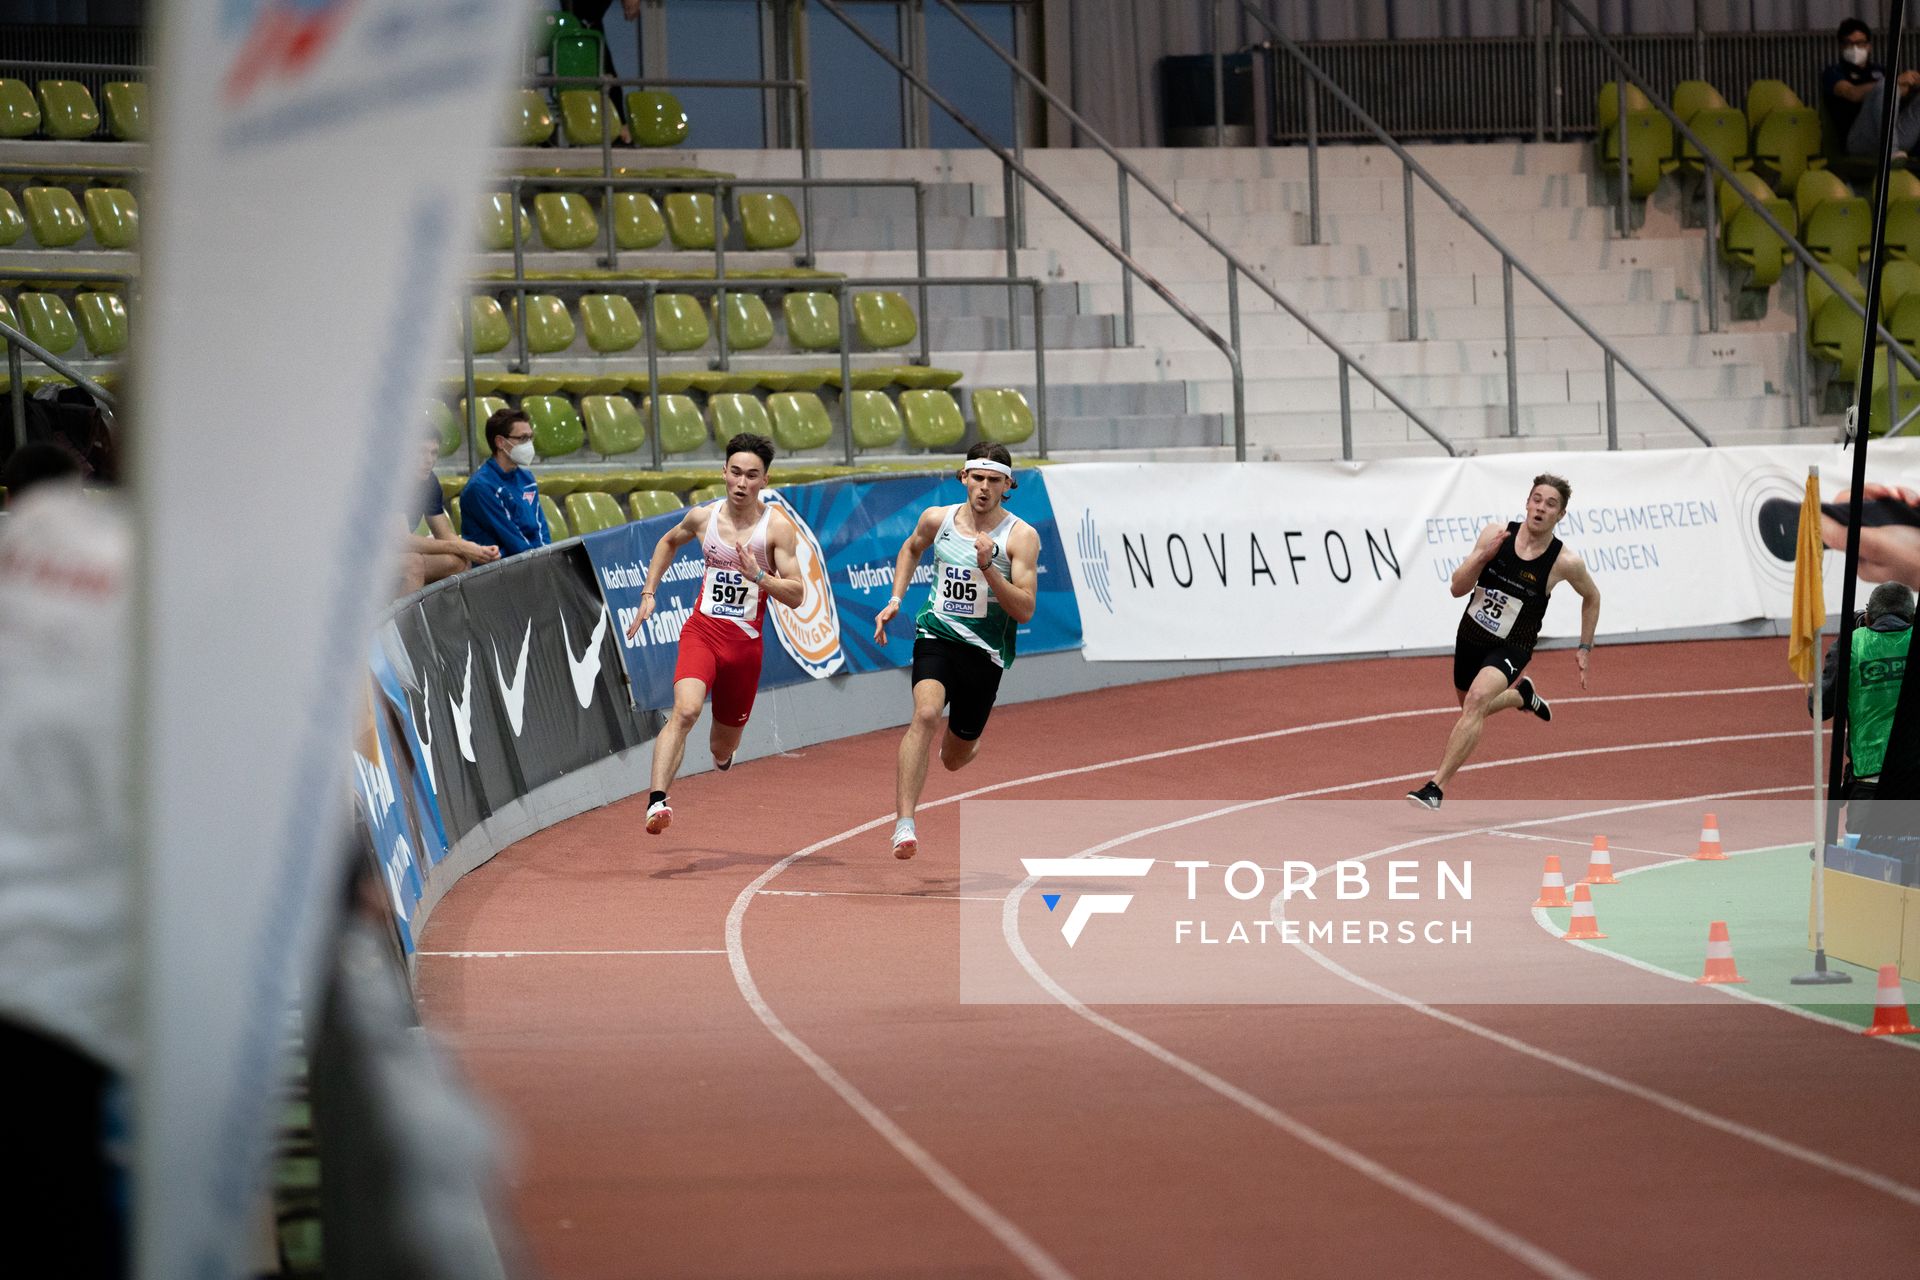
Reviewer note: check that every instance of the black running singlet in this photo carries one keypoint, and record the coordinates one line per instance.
(1510, 597)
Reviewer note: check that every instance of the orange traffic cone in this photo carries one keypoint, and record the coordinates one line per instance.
(1553, 887)
(1599, 864)
(1890, 1006)
(1719, 956)
(1709, 850)
(1583, 924)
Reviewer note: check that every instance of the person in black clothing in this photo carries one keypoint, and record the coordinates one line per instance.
(36, 463)
(593, 15)
(1510, 572)
(1850, 94)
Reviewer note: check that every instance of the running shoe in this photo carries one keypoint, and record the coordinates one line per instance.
(905, 842)
(659, 817)
(1427, 797)
(1530, 699)
(723, 765)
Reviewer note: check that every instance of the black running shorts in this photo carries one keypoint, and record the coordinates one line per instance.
(1470, 655)
(971, 678)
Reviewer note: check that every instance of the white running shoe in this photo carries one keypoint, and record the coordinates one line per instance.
(905, 842)
(659, 817)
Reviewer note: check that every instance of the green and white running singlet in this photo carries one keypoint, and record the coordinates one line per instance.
(961, 608)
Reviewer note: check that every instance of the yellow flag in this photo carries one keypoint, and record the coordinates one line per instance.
(1809, 600)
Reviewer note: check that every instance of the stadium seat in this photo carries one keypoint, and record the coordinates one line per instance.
(1747, 241)
(1786, 144)
(496, 224)
(690, 220)
(44, 318)
(1691, 96)
(549, 327)
(13, 224)
(681, 428)
(731, 414)
(444, 425)
(1901, 185)
(103, 321)
(637, 223)
(55, 217)
(67, 110)
(1002, 415)
(1839, 232)
(800, 421)
(933, 419)
(556, 426)
(614, 426)
(706, 493)
(565, 220)
(1903, 230)
(1907, 392)
(768, 220)
(813, 321)
(114, 215)
(656, 118)
(876, 420)
(453, 512)
(1649, 151)
(558, 484)
(792, 379)
(877, 379)
(1897, 280)
(668, 383)
(921, 378)
(491, 331)
(1814, 188)
(1834, 332)
(713, 382)
(556, 523)
(19, 113)
(1724, 131)
(575, 50)
(679, 322)
(591, 512)
(484, 407)
(1905, 323)
(581, 114)
(1607, 104)
(529, 119)
(749, 323)
(126, 104)
(611, 323)
(883, 320)
(645, 503)
(1764, 97)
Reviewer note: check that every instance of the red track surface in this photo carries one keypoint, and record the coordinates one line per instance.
(663, 1130)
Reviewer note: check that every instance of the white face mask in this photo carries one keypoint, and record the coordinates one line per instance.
(522, 454)
(1856, 54)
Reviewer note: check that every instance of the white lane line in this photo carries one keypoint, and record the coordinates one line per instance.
(869, 893)
(508, 955)
(1617, 848)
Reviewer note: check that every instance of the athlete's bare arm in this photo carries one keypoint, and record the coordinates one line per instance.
(1485, 548)
(1019, 594)
(911, 550)
(691, 526)
(783, 583)
(1572, 570)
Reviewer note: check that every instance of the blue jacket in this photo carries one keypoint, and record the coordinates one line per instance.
(502, 509)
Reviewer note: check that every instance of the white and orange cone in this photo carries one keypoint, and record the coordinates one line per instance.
(1553, 886)
(1719, 957)
(1709, 850)
(1890, 1016)
(1599, 864)
(1583, 925)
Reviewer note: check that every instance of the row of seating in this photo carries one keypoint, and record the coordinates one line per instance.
(705, 382)
(882, 321)
(1776, 135)
(58, 219)
(1825, 215)
(64, 110)
(97, 318)
(567, 221)
(614, 425)
(655, 118)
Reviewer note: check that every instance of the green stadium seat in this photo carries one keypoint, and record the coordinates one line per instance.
(556, 426)
(883, 320)
(1839, 232)
(453, 512)
(813, 320)
(67, 110)
(768, 220)
(592, 512)
(749, 322)
(103, 321)
(611, 323)
(800, 421)
(1607, 104)
(876, 420)
(1002, 415)
(1903, 230)
(1905, 323)
(1902, 185)
(1818, 293)
(681, 428)
(1786, 144)
(690, 220)
(1837, 335)
(1747, 241)
(44, 318)
(736, 412)
(604, 383)
(1691, 96)
(933, 419)
(669, 383)
(126, 104)
(549, 327)
(582, 113)
(556, 523)
(1764, 97)
(1907, 392)
(1897, 281)
(706, 493)
(19, 113)
(656, 118)
(1814, 188)
(920, 378)
(679, 322)
(54, 216)
(575, 50)
(645, 503)
(491, 330)
(713, 382)
(637, 223)
(791, 379)
(1724, 131)
(558, 484)
(529, 119)
(114, 215)
(496, 224)
(484, 407)
(444, 426)
(863, 379)
(565, 220)
(614, 425)
(1649, 137)
(13, 224)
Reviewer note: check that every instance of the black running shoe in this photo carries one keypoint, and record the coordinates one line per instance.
(723, 765)
(1427, 797)
(1530, 699)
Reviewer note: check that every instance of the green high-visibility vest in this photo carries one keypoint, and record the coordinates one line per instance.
(1873, 693)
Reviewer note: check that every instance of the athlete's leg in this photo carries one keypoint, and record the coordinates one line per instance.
(671, 744)
(957, 753)
(929, 698)
(1489, 688)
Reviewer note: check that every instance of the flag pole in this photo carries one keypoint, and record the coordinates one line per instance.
(1821, 975)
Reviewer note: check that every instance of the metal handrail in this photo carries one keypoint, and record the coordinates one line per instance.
(1010, 166)
(1509, 262)
(16, 377)
(1235, 265)
(1806, 259)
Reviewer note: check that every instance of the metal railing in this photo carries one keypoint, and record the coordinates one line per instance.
(18, 342)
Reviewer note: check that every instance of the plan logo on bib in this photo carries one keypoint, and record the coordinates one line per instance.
(811, 633)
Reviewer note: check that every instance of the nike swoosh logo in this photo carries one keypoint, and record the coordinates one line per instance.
(463, 712)
(423, 730)
(585, 669)
(514, 694)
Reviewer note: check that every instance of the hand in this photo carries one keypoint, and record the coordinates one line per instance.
(640, 618)
(880, 621)
(1888, 553)
(1908, 80)
(748, 565)
(1584, 657)
(982, 550)
(474, 553)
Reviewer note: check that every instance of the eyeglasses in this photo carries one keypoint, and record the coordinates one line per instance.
(520, 439)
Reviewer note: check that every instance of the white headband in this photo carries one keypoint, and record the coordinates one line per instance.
(988, 464)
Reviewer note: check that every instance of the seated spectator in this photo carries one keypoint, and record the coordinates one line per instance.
(33, 464)
(443, 552)
(1851, 93)
(500, 506)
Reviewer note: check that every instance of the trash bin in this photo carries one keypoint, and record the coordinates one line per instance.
(1186, 100)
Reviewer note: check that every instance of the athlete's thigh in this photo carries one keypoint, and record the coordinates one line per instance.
(1491, 681)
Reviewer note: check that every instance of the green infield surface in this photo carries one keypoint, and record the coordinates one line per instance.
(1658, 916)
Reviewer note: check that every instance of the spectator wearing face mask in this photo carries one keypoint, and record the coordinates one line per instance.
(1851, 94)
(500, 506)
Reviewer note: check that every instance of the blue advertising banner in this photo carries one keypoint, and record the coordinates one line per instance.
(851, 532)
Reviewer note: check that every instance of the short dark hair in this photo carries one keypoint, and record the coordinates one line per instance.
(991, 451)
(1890, 598)
(759, 446)
(1548, 478)
(500, 425)
(1853, 27)
(36, 463)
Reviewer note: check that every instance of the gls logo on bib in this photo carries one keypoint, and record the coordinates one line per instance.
(811, 633)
